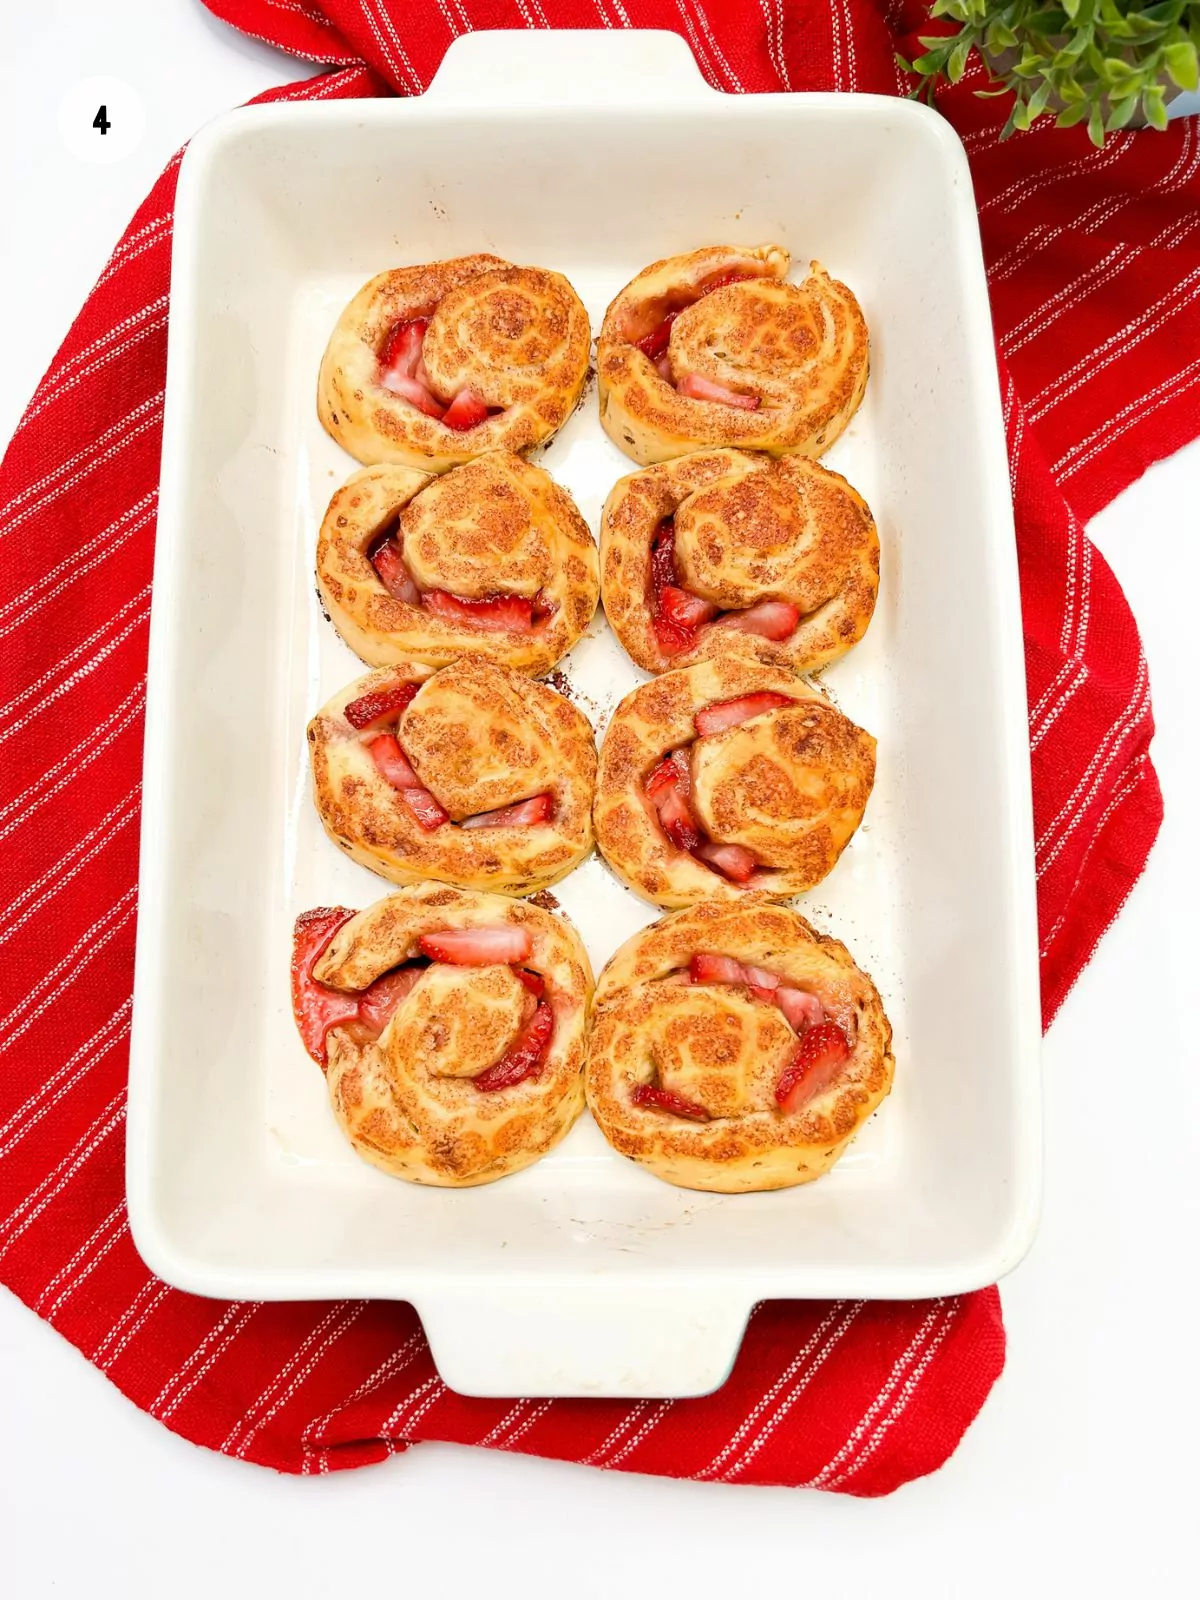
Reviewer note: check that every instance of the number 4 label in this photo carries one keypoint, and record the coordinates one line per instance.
(100, 120)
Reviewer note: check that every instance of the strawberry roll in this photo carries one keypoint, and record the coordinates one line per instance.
(717, 348)
(451, 1027)
(433, 365)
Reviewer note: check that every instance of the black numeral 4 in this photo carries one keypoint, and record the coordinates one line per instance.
(100, 120)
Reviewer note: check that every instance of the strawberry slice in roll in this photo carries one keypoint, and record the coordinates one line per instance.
(735, 1048)
(451, 1027)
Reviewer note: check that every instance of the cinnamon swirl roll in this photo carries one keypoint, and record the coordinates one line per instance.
(715, 348)
(734, 1048)
(472, 775)
(721, 544)
(452, 1028)
(430, 366)
(726, 778)
(493, 560)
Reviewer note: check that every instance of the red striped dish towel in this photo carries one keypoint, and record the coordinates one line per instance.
(1094, 260)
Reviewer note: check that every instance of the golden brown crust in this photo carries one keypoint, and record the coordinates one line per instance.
(517, 336)
(405, 1100)
(479, 738)
(802, 348)
(495, 526)
(789, 785)
(747, 529)
(721, 1047)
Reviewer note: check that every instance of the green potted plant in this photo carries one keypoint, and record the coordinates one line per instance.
(1110, 63)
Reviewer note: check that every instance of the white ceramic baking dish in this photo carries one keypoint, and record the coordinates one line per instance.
(594, 154)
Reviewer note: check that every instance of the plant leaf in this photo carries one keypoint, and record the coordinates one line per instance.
(958, 59)
(1181, 63)
(1040, 98)
(1155, 109)
(1121, 113)
(1072, 115)
(1096, 125)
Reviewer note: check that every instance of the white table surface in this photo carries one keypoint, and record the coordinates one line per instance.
(1077, 1471)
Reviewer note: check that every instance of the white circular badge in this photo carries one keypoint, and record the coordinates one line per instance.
(101, 119)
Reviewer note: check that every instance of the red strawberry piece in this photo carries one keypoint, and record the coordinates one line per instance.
(425, 808)
(377, 1004)
(656, 341)
(760, 978)
(535, 984)
(380, 703)
(670, 772)
(478, 947)
(684, 609)
(820, 1053)
(729, 713)
(541, 609)
(697, 388)
(522, 815)
(392, 762)
(388, 561)
(770, 619)
(646, 1094)
(525, 1058)
(394, 765)
(724, 279)
(662, 557)
(677, 821)
(465, 411)
(729, 859)
(663, 367)
(316, 1007)
(402, 349)
(416, 394)
(708, 968)
(803, 1010)
(498, 613)
(671, 639)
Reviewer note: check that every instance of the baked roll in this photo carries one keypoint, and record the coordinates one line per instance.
(721, 543)
(735, 1048)
(472, 775)
(493, 559)
(452, 1028)
(728, 777)
(715, 348)
(430, 366)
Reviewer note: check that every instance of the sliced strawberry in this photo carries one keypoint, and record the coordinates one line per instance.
(646, 1094)
(535, 984)
(729, 859)
(697, 388)
(677, 821)
(392, 762)
(401, 352)
(541, 609)
(724, 279)
(657, 340)
(377, 1004)
(760, 978)
(416, 394)
(388, 561)
(525, 1058)
(671, 639)
(662, 557)
(498, 613)
(663, 367)
(425, 808)
(523, 815)
(803, 1010)
(684, 609)
(478, 947)
(394, 765)
(380, 703)
(769, 619)
(670, 772)
(316, 1007)
(465, 411)
(820, 1053)
(709, 968)
(729, 713)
